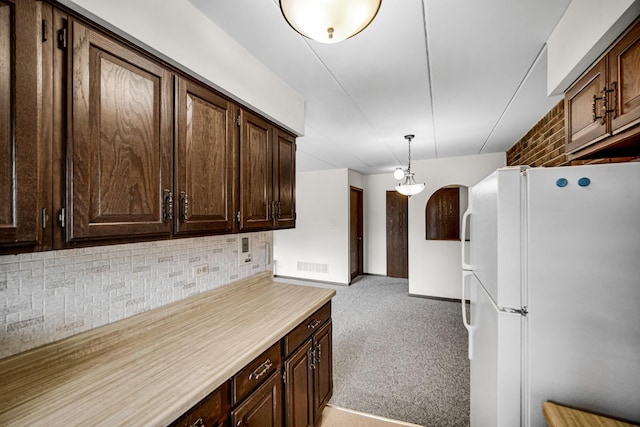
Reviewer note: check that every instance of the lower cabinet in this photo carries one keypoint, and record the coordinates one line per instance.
(210, 412)
(309, 379)
(287, 385)
(263, 408)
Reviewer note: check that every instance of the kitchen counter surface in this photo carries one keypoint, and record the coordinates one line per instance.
(151, 368)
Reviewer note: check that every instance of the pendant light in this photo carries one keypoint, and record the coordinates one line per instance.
(409, 186)
(329, 21)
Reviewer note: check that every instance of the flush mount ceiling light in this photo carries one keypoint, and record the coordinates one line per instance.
(409, 186)
(329, 21)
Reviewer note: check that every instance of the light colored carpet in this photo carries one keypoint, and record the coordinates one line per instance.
(396, 356)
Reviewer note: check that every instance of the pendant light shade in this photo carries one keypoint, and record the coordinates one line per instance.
(409, 186)
(329, 21)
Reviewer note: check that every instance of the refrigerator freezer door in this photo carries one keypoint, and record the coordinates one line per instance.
(583, 283)
(495, 361)
(495, 205)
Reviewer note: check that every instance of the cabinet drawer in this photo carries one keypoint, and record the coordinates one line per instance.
(208, 412)
(256, 372)
(306, 328)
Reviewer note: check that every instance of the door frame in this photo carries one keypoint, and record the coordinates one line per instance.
(356, 215)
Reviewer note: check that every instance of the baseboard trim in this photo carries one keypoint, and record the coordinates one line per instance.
(326, 282)
(458, 300)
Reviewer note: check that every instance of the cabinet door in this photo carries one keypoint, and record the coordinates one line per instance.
(255, 173)
(624, 74)
(20, 185)
(119, 152)
(263, 408)
(299, 388)
(204, 160)
(284, 180)
(323, 373)
(581, 127)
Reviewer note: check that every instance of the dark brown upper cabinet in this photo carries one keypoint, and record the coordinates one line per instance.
(284, 180)
(602, 108)
(119, 160)
(24, 158)
(267, 175)
(256, 180)
(205, 159)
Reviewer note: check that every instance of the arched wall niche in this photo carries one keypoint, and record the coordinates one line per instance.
(443, 213)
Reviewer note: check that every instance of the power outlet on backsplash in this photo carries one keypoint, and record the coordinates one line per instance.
(200, 270)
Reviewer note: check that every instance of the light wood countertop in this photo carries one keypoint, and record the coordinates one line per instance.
(149, 369)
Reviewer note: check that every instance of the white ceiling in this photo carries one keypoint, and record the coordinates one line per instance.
(465, 76)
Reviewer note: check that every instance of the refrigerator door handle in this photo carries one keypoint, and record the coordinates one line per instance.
(463, 237)
(465, 320)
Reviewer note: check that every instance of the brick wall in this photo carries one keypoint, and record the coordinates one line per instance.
(47, 296)
(543, 145)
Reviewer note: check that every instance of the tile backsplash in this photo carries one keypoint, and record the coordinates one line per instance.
(46, 296)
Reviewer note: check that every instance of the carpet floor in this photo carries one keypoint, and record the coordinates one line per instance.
(396, 356)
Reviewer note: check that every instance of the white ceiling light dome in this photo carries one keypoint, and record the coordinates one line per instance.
(329, 21)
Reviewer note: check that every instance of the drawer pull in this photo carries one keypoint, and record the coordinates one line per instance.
(199, 423)
(314, 324)
(261, 370)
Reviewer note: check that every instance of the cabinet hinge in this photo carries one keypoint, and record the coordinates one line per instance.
(62, 217)
(238, 217)
(45, 31)
(284, 377)
(62, 38)
(238, 120)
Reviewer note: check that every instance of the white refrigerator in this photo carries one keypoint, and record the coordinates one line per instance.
(552, 271)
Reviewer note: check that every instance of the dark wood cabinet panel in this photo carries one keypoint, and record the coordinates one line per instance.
(212, 411)
(624, 74)
(284, 180)
(119, 155)
(602, 109)
(22, 153)
(263, 408)
(323, 369)
(255, 173)
(442, 214)
(205, 159)
(585, 122)
(299, 388)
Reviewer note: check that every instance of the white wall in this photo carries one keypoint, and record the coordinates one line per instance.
(584, 32)
(321, 236)
(434, 266)
(192, 42)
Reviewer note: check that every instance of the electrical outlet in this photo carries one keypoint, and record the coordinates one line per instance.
(200, 270)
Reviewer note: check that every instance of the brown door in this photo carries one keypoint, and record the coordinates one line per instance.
(355, 232)
(255, 173)
(204, 161)
(284, 179)
(120, 150)
(20, 216)
(397, 235)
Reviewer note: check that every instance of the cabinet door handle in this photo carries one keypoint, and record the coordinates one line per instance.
(314, 324)
(594, 108)
(279, 210)
(184, 202)
(199, 423)
(318, 352)
(261, 370)
(167, 206)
